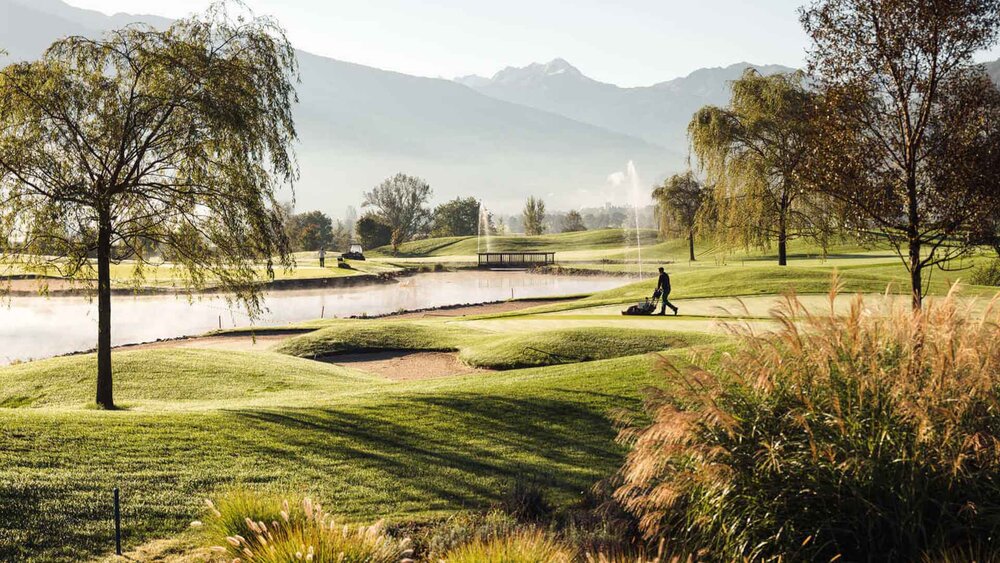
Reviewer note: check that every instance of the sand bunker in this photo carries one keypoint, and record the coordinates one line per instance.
(404, 365)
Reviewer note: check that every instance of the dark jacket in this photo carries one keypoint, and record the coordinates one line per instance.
(663, 283)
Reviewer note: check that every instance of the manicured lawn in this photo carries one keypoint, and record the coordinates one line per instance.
(485, 349)
(176, 379)
(570, 345)
(196, 422)
(371, 449)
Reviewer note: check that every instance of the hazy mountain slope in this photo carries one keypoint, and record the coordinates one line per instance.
(993, 69)
(93, 18)
(359, 125)
(26, 32)
(658, 113)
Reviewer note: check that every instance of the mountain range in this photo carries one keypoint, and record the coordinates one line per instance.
(545, 129)
(658, 114)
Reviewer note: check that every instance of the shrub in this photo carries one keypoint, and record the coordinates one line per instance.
(522, 547)
(987, 274)
(434, 540)
(872, 436)
(280, 534)
(526, 502)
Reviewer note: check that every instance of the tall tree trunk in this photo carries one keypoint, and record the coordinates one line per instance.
(691, 245)
(782, 240)
(105, 397)
(913, 236)
(916, 276)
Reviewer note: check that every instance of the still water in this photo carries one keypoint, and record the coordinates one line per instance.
(39, 327)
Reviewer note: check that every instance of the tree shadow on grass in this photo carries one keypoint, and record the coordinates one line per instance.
(456, 450)
(396, 457)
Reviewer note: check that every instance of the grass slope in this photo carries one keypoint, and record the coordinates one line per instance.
(359, 335)
(556, 242)
(175, 379)
(571, 345)
(410, 450)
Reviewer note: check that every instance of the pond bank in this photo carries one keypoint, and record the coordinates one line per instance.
(32, 285)
(34, 327)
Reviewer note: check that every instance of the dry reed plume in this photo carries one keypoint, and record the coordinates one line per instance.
(866, 434)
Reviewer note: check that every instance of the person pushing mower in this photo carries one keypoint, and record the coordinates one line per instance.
(663, 288)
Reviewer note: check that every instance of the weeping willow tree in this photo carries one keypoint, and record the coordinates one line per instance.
(170, 141)
(753, 152)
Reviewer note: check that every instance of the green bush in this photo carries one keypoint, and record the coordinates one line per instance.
(987, 274)
(872, 436)
(432, 541)
(526, 502)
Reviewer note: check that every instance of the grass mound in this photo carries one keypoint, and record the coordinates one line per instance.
(486, 350)
(174, 377)
(567, 346)
(870, 436)
(359, 335)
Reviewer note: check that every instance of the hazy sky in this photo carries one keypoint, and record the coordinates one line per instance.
(630, 43)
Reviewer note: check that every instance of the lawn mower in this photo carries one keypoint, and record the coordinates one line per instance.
(645, 307)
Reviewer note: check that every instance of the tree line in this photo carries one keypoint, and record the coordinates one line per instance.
(889, 136)
(397, 211)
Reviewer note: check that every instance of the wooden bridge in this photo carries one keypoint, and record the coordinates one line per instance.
(517, 260)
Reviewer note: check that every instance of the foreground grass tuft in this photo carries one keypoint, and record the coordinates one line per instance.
(874, 436)
(282, 533)
(522, 547)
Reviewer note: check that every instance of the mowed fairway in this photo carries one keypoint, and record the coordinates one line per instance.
(195, 422)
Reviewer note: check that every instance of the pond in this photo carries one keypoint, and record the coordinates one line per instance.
(40, 327)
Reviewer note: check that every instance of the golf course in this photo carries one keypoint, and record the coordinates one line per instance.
(408, 418)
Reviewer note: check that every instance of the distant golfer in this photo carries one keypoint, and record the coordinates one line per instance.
(663, 286)
(322, 257)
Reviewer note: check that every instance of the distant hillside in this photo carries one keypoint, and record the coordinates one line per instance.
(659, 113)
(993, 69)
(359, 125)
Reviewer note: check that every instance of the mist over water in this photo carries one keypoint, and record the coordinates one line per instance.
(39, 327)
